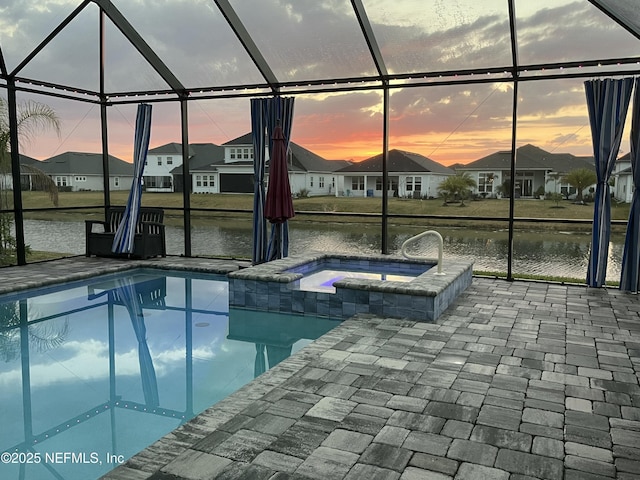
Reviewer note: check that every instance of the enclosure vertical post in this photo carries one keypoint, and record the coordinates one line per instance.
(385, 170)
(514, 130)
(186, 176)
(188, 321)
(103, 122)
(18, 214)
(26, 371)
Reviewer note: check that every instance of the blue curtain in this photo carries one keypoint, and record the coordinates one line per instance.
(281, 112)
(259, 115)
(265, 115)
(630, 275)
(607, 102)
(125, 234)
(126, 292)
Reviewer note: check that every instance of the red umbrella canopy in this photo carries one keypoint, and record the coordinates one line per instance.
(279, 204)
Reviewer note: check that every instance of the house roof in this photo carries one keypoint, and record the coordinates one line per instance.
(401, 162)
(306, 160)
(172, 148)
(302, 160)
(25, 160)
(530, 157)
(246, 139)
(204, 157)
(79, 163)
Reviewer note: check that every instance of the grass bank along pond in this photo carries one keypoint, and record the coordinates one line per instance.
(558, 249)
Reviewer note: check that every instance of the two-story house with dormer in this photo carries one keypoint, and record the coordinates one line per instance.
(161, 161)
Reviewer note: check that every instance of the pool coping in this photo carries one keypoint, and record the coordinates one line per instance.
(66, 270)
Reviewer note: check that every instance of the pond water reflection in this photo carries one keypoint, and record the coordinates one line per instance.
(549, 252)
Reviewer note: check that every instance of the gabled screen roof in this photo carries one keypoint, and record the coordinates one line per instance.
(124, 47)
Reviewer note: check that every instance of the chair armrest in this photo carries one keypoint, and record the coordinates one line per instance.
(90, 223)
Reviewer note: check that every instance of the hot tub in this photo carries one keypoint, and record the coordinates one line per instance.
(369, 285)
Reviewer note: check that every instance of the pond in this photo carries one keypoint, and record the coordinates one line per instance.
(549, 252)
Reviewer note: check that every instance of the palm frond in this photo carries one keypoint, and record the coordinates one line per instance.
(41, 181)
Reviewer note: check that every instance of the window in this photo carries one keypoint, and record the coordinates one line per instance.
(116, 181)
(378, 183)
(198, 181)
(311, 181)
(169, 160)
(417, 184)
(485, 182)
(159, 160)
(333, 182)
(212, 180)
(409, 184)
(205, 181)
(157, 182)
(80, 179)
(232, 153)
(61, 181)
(321, 182)
(245, 154)
(357, 183)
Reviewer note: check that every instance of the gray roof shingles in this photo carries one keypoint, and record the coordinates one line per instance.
(401, 162)
(530, 157)
(79, 163)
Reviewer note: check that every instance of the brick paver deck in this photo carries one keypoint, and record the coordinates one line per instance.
(514, 381)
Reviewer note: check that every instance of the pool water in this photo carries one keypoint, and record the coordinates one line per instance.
(92, 372)
(323, 280)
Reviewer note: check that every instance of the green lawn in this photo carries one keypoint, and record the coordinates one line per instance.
(524, 208)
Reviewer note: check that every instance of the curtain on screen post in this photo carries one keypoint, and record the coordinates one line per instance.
(259, 109)
(607, 103)
(630, 275)
(125, 234)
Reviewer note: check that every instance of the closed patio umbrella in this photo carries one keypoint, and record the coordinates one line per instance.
(125, 234)
(607, 102)
(630, 275)
(279, 204)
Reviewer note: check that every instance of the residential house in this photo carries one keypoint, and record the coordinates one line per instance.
(623, 179)
(161, 161)
(229, 168)
(410, 175)
(309, 174)
(27, 178)
(76, 171)
(537, 172)
(204, 175)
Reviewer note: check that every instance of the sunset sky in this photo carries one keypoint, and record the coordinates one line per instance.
(322, 40)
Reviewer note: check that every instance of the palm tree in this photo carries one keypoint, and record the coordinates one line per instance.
(457, 186)
(33, 119)
(580, 179)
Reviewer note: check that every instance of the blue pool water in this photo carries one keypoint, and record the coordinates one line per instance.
(92, 372)
(319, 276)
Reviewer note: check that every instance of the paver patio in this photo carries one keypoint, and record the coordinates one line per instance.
(514, 381)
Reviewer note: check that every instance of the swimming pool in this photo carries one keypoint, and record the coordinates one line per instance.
(94, 371)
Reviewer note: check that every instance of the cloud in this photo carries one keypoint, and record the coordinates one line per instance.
(307, 40)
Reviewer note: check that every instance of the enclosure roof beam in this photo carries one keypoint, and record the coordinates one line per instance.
(50, 37)
(616, 14)
(370, 38)
(247, 42)
(138, 42)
